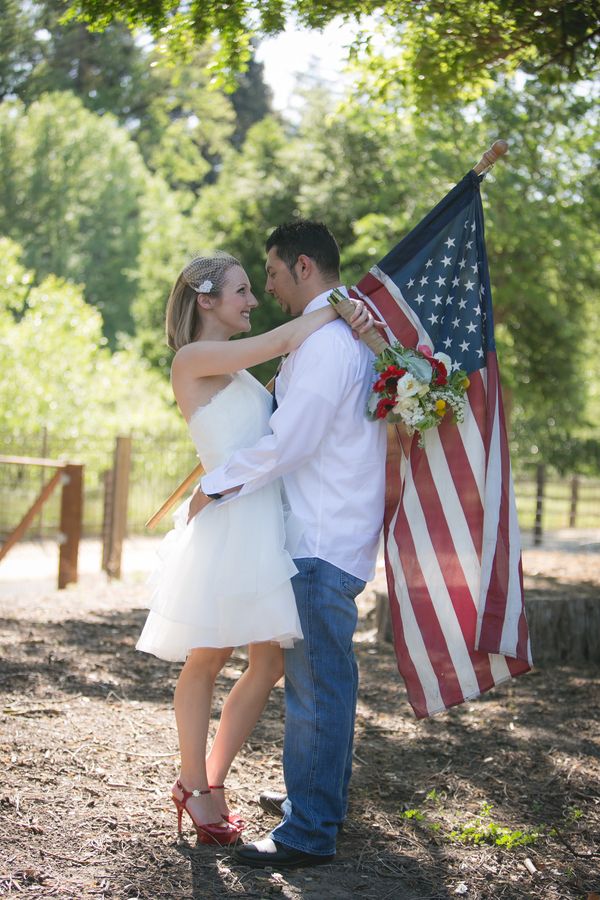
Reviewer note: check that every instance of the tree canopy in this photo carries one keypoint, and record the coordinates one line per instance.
(71, 186)
(117, 166)
(58, 369)
(445, 45)
(179, 124)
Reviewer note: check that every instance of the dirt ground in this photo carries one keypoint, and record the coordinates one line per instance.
(439, 808)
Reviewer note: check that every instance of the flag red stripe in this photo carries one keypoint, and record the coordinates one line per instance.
(476, 395)
(494, 613)
(523, 639)
(415, 692)
(517, 666)
(393, 314)
(464, 480)
(462, 601)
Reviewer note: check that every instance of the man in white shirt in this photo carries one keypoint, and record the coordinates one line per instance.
(332, 462)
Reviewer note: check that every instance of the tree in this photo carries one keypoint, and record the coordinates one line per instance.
(58, 370)
(168, 242)
(71, 187)
(180, 120)
(447, 44)
(109, 71)
(251, 99)
(188, 126)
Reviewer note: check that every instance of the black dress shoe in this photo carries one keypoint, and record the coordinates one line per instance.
(282, 858)
(272, 802)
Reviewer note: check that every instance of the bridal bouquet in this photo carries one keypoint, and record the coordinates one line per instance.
(416, 387)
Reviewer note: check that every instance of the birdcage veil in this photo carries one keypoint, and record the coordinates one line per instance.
(205, 273)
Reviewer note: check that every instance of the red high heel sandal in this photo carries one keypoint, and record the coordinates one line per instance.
(232, 818)
(211, 833)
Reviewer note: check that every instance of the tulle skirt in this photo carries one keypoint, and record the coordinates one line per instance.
(223, 580)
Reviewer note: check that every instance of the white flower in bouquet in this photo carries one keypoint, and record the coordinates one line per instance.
(445, 359)
(405, 405)
(408, 386)
(413, 417)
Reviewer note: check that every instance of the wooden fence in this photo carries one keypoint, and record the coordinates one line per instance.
(128, 478)
(69, 477)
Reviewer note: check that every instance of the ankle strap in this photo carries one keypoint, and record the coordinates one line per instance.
(217, 787)
(187, 794)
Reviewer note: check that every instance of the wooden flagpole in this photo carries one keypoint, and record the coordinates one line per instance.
(491, 156)
(498, 149)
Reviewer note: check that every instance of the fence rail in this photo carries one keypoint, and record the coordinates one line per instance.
(159, 462)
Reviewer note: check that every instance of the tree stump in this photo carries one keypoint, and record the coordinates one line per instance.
(383, 618)
(562, 630)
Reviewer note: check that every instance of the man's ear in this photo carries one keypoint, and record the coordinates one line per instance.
(305, 266)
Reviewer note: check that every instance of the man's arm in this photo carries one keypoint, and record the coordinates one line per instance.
(323, 372)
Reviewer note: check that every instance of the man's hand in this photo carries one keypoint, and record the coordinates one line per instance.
(197, 503)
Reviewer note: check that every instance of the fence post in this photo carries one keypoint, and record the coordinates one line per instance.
(71, 516)
(43, 454)
(115, 507)
(539, 503)
(107, 517)
(574, 498)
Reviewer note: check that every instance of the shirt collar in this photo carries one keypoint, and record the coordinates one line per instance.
(321, 299)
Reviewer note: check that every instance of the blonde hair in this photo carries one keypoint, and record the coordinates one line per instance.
(183, 320)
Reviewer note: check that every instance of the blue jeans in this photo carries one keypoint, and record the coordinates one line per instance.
(321, 683)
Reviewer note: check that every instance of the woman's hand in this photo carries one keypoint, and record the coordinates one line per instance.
(197, 503)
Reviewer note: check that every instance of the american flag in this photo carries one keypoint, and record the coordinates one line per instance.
(452, 544)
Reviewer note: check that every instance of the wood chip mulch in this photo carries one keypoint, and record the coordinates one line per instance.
(88, 753)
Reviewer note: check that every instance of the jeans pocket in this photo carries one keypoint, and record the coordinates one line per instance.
(352, 585)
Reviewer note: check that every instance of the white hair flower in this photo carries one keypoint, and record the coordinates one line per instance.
(205, 287)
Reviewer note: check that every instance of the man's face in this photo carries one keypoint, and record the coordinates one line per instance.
(282, 284)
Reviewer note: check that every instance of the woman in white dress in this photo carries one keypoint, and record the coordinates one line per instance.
(225, 576)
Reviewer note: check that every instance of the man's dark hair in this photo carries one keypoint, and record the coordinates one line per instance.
(307, 238)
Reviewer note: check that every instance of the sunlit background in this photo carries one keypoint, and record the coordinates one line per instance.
(119, 161)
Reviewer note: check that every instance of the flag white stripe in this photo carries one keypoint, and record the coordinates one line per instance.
(499, 667)
(491, 516)
(391, 336)
(474, 448)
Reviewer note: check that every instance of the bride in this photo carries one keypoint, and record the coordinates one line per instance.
(224, 580)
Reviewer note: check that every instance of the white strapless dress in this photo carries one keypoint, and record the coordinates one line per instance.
(224, 579)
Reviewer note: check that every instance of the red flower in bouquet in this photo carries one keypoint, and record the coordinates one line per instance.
(383, 407)
(388, 379)
(440, 373)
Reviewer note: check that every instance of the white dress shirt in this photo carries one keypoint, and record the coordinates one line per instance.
(330, 456)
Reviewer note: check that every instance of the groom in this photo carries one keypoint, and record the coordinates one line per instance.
(332, 462)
